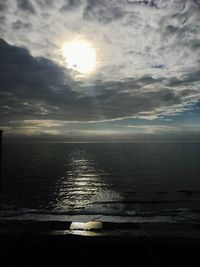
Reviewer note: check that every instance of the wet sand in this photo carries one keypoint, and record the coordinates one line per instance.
(151, 244)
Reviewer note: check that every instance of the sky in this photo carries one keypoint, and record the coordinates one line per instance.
(145, 84)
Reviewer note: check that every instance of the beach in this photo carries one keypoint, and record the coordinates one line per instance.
(150, 244)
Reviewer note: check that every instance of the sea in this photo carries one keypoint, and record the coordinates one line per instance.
(115, 182)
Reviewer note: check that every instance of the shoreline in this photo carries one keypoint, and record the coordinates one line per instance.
(150, 244)
(165, 230)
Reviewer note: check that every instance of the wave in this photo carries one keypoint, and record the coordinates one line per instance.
(137, 202)
(166, 215)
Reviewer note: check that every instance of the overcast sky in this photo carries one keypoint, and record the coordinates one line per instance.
(146, 83)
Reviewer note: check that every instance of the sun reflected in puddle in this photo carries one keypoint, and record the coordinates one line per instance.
(86, 226)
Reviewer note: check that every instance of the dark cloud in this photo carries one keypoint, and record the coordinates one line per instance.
(26, 5)
(125, 104)
(147, 79)
(45, 4)
(2, 19)
(17, 67)
(70, 5)
(3, 6)
(18, 25)
(158, 66)
(28, 84)
(195, 45)
(197, 2)
(158, 3)
(37, 88)
(192, 77)
(152, 3)
(103, 11)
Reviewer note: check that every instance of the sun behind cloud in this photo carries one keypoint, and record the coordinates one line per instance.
(80, 56)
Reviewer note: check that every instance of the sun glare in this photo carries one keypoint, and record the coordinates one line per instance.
(80, 56)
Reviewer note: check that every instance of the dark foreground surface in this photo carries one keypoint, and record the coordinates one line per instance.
(43, 243)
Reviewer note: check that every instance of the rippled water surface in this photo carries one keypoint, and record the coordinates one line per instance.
(143, 179)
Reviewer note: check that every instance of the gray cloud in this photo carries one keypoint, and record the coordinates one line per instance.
(104, 11)
(3, 6)
(2, 19)
(19, 25)
(151, 3)
(28, 84)
(70, 5)
(26, 6)
(148, 59)
(45, 3)
(187, 79)
(38, 88)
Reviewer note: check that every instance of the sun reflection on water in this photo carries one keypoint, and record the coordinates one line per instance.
(82, 183)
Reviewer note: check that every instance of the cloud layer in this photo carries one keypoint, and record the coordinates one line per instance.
(148, 59)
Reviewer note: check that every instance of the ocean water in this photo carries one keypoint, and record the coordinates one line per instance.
(116, 182)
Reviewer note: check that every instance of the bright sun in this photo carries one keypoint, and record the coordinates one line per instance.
(80, 56)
